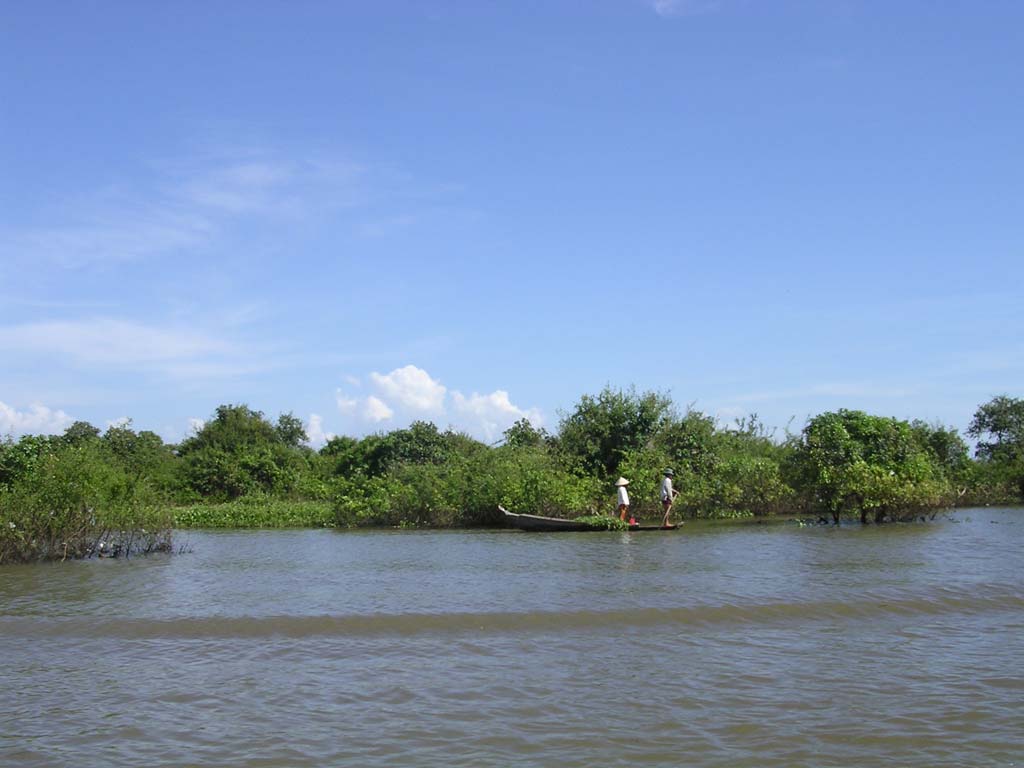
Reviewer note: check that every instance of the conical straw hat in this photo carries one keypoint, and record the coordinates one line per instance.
(622, 481)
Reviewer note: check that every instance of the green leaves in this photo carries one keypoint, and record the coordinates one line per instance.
(256, 512)
(77, 487)
(849, 462)
(239, 452)
(599, 432)
(74, 497)
(999, 427)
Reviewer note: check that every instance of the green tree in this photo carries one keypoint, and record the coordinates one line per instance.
(143, 455)
(849, 462)
(73, 500)
(232, 428)
(945, 445)
(342, 456)
(80, 432)
(239, 452)
(600, 430)
(998, 426)
(18, 459)
(420, 443)
(523, 434)
(690, 444)
(290, 430)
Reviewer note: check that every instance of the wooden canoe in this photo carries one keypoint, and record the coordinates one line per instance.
(540, 523)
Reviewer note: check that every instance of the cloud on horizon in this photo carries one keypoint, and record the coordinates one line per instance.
(410, 393)
(377, 410)
(493, 413)
(315, 431)
(38, 419)
(412, 388)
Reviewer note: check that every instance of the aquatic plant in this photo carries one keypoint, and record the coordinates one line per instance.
(603, 522)
(257, 511)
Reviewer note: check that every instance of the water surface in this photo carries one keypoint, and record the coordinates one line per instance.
(711, 646)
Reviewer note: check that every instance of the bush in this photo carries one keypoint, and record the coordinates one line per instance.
(76, 502)
(850, 463)
(465, 490)
(601, 430)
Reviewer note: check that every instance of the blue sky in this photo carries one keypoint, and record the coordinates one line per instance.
(473, 212)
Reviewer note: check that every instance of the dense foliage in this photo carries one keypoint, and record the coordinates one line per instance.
(85, 493)
(998, 425)
(849, 462)
(80, 494)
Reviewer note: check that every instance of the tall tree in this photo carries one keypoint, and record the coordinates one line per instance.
(290, 430)
(1000, 422)
(601, 430)
(998, 425)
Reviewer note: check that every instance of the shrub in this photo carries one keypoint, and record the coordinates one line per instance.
(76, 503)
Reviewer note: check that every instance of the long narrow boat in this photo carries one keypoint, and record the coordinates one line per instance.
(540, 523)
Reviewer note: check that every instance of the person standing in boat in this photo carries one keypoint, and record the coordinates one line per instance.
(621, 484)
(668, 495)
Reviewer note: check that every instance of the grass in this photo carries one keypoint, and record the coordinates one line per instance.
(256, 513)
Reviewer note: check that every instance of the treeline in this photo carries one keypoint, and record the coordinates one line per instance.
(84, 492)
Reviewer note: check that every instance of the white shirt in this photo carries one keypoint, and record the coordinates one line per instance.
(623, 496)
(666, 489)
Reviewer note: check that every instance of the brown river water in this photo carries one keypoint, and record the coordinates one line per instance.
(753, 645)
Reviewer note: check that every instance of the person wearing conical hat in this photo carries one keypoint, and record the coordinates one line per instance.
(668, 494)
(621, 484)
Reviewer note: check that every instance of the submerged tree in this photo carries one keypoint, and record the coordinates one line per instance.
(850, 462)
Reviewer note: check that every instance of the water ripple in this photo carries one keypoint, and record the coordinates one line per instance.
(935, 603)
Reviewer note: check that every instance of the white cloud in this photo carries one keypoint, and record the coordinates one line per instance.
(412, 388)
(123, 421)
(315, 431)
(123, 236)
(239, 188)
(377, 410)
(684, 7)
(184, 353)
(186, 206)
(371, 409)
(410, 393)
(38, 419)
(487, 416)
(195, 425)
(105, 340)
(345, 403)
